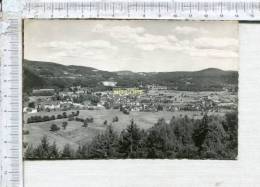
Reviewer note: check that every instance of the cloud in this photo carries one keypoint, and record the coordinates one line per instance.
(186, 30)
(215, 53)
(92, 44)
(172, 38)
(121, 33)
(92, 50)
(138, 37)
(216, 43)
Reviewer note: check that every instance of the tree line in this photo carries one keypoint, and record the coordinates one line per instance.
(39, 118)
(212, 137)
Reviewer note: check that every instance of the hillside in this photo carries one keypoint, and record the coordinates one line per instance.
(50, 75)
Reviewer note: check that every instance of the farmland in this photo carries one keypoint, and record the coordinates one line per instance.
(76, 135)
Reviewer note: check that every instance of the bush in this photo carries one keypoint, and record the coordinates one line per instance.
(89, 120)
(79, 119)
(115, 119)
(71, 118)
(31, 105)
(125, 111)
(54, 128)
(46, 118)
(52, 117)
(59, 116)
(34, 119)
(64, 125)
(85, 124)
(64, 114)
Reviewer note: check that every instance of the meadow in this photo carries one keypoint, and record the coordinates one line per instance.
(75, 134)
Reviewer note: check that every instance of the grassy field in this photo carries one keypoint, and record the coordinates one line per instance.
(75, 134)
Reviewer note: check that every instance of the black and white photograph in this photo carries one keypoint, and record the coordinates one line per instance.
(130, 89)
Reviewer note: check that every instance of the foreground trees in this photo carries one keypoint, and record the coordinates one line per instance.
(212, 137)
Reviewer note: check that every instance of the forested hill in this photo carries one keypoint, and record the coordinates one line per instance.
(38, 74)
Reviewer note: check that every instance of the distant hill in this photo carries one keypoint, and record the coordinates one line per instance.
(52, 75)
(124, 73)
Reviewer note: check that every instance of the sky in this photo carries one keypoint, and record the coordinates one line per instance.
(134, 45)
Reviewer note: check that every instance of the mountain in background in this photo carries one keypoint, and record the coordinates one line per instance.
(38, 74)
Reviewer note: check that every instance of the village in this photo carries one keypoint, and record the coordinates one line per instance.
(149, 98)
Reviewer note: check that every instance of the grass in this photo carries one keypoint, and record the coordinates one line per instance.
(75, 134)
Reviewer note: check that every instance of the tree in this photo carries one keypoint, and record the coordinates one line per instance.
(59, 116)
(200, 132)
(107, 105)
(89, 120)
(46, 118)
(42, 151)
(54, 128)
(68, 152)
(29, 152)
(104, 145)
(130, 141)
(115, 119)
(82, 152)
(64, 124)
(54, 152)
(31, 105)
(71, 118)
(52, 117)
(214, 145)
(64, 114)
(230, 126)
(85, 124)
(160, 108)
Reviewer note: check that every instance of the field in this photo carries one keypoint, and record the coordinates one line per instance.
(75, 134)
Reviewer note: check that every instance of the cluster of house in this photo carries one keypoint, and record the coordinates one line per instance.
(159, 98)
(153, 98)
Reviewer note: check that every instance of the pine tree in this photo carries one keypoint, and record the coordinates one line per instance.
(68, 152)
(54, 152)
(200, 132)
(104, 145)
(42, 151)
(130, 141)
(29, 152)
(82, 152)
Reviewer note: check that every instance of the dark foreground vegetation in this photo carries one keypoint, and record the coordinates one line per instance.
(212, 137)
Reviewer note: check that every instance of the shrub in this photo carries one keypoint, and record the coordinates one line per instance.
(85, 124)
(46, 118)
(115, 119)
(59, 116)
(64, 125)
(54, 128)
(52, 117)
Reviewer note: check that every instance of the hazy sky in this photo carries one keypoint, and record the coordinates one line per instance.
(136, 45)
